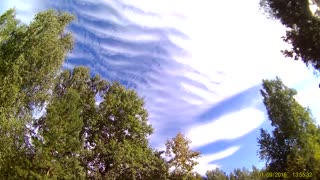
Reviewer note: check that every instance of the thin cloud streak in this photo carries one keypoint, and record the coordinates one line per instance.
(231, 126)
(205, 161)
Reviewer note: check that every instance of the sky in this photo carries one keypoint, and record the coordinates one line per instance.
(198, 65)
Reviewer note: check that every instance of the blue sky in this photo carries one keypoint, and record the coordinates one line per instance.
(198, 65)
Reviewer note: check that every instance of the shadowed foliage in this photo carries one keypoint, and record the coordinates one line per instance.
(303, 28)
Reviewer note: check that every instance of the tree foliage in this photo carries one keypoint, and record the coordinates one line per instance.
(41, 46)
(303, 28)
(75, 137)
(294, 143)
(58, 148)
(181, 157)
(216, 174)
(236, 174)
(240, 174)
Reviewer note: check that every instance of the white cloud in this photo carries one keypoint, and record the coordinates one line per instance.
(25, 9)
(206, 159)
(308, 96)
(227, 127)
(203, 93)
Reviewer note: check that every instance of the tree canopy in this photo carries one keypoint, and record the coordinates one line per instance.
(74, 138)
(42, 46)
(303, 28)
(181, 158)
(294, 143)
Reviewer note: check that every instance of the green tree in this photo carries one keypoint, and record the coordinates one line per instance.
(216, 174)
(303, 28)
(257, 174)
(294, 143)
(15, 149)
(181, 157)
(159, 168)
(114, 132)
(41, 46)
(236, 174)
(58, 149)
(117, 136)
(75, 138)
(240, 174)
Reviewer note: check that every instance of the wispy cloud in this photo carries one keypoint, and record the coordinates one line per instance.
(25, 9)
(205, 161)
(309, 95)
(230, 126)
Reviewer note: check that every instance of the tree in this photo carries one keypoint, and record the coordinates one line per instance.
(216, 174)
(58, 149)
(159, 168)
(240, 174)
(294, 143)
(75, 138)
(236, 174)
(114, 132)
(15, 160)
(117, 135)
(303, 28)
(257, 174)
(181, 158)
(42, 46)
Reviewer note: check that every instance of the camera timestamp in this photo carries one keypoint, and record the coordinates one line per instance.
(302, 174)
(273, 174)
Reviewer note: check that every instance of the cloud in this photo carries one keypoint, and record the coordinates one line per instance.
(309, 95)
(230, 126)
(25, 9)
(206, 159)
